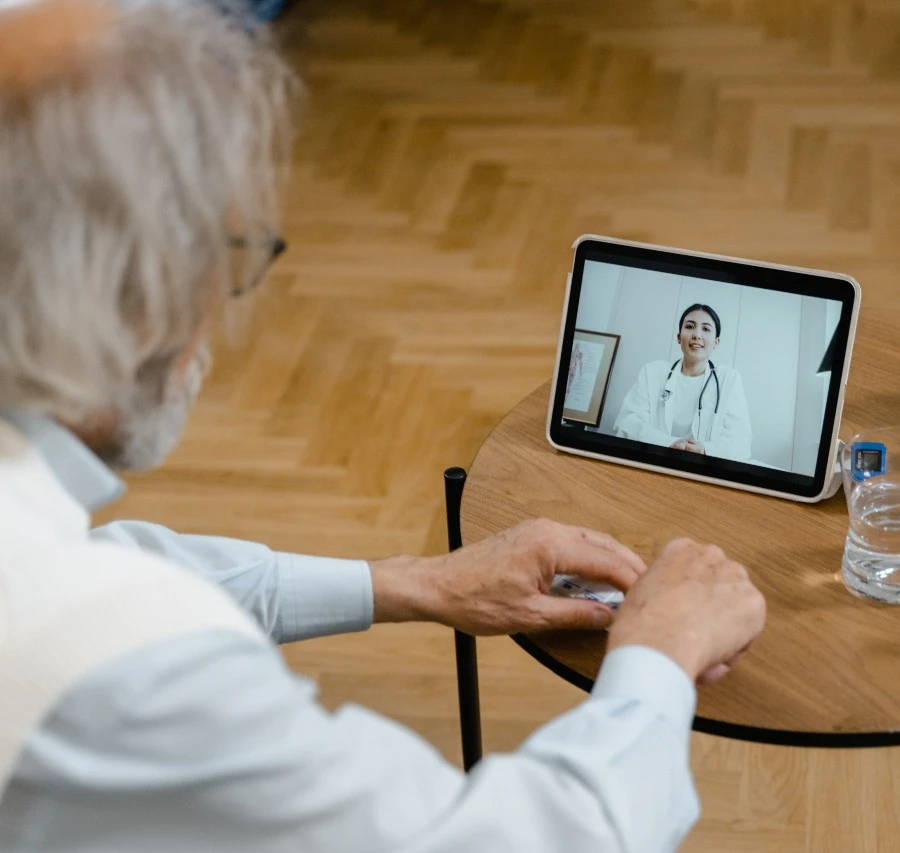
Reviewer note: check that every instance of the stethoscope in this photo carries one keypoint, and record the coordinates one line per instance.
(712, 375)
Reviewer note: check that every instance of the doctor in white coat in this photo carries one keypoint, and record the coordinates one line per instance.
(691, 404)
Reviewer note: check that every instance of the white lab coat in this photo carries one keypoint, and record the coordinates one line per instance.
(645, 416)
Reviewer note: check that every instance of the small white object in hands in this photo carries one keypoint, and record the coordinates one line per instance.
(576, 587)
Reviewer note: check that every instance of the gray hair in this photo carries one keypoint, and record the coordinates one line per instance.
(120, 176)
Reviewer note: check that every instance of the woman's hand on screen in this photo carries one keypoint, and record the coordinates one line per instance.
(691, 445)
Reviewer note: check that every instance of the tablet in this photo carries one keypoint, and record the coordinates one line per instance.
(718, 369)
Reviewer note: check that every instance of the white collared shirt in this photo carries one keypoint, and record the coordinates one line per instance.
(212, 744)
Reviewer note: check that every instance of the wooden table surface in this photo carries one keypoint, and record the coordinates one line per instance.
(826, 670)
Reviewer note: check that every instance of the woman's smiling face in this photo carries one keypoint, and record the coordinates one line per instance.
(698, 337)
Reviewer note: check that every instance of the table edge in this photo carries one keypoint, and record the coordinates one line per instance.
(735, 731)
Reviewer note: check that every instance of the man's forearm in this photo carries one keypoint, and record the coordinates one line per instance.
(267, 767)
(405, 589)
(292, 596)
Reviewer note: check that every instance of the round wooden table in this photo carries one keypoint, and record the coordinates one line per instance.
(826, 670)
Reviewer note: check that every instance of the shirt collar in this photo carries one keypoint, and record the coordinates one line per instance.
(87, 480)
(705, 372)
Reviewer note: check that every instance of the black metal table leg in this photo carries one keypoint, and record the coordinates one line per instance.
(466, 653)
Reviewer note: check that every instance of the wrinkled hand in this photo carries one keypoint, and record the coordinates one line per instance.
(501, 585)
(694, 605)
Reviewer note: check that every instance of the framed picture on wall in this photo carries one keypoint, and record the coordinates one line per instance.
(593, 356)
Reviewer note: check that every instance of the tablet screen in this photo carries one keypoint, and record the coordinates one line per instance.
(704, 365)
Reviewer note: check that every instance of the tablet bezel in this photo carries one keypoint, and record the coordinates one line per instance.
(778, 277)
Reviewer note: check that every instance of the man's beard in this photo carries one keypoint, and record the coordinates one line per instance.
(154, 418)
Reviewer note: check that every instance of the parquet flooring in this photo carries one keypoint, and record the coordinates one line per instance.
(450, 153)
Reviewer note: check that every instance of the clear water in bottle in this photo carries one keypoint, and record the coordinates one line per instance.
(871, 564)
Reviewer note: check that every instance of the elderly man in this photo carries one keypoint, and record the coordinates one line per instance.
(142, 709)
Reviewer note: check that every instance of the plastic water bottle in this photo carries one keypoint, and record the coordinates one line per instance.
(871, 564)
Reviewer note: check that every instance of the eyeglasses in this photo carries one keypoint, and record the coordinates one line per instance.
(269, 249)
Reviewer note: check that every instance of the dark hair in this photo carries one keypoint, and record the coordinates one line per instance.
(698, 307)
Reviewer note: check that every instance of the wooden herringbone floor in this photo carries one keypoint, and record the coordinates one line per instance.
(451, 151)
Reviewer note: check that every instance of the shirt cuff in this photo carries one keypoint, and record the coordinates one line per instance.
(320, 596)
(642, 673)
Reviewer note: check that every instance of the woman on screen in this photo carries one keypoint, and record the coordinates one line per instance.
(692, 404)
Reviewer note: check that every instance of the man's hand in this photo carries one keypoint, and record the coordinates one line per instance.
(501, 585)
(694, 605)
